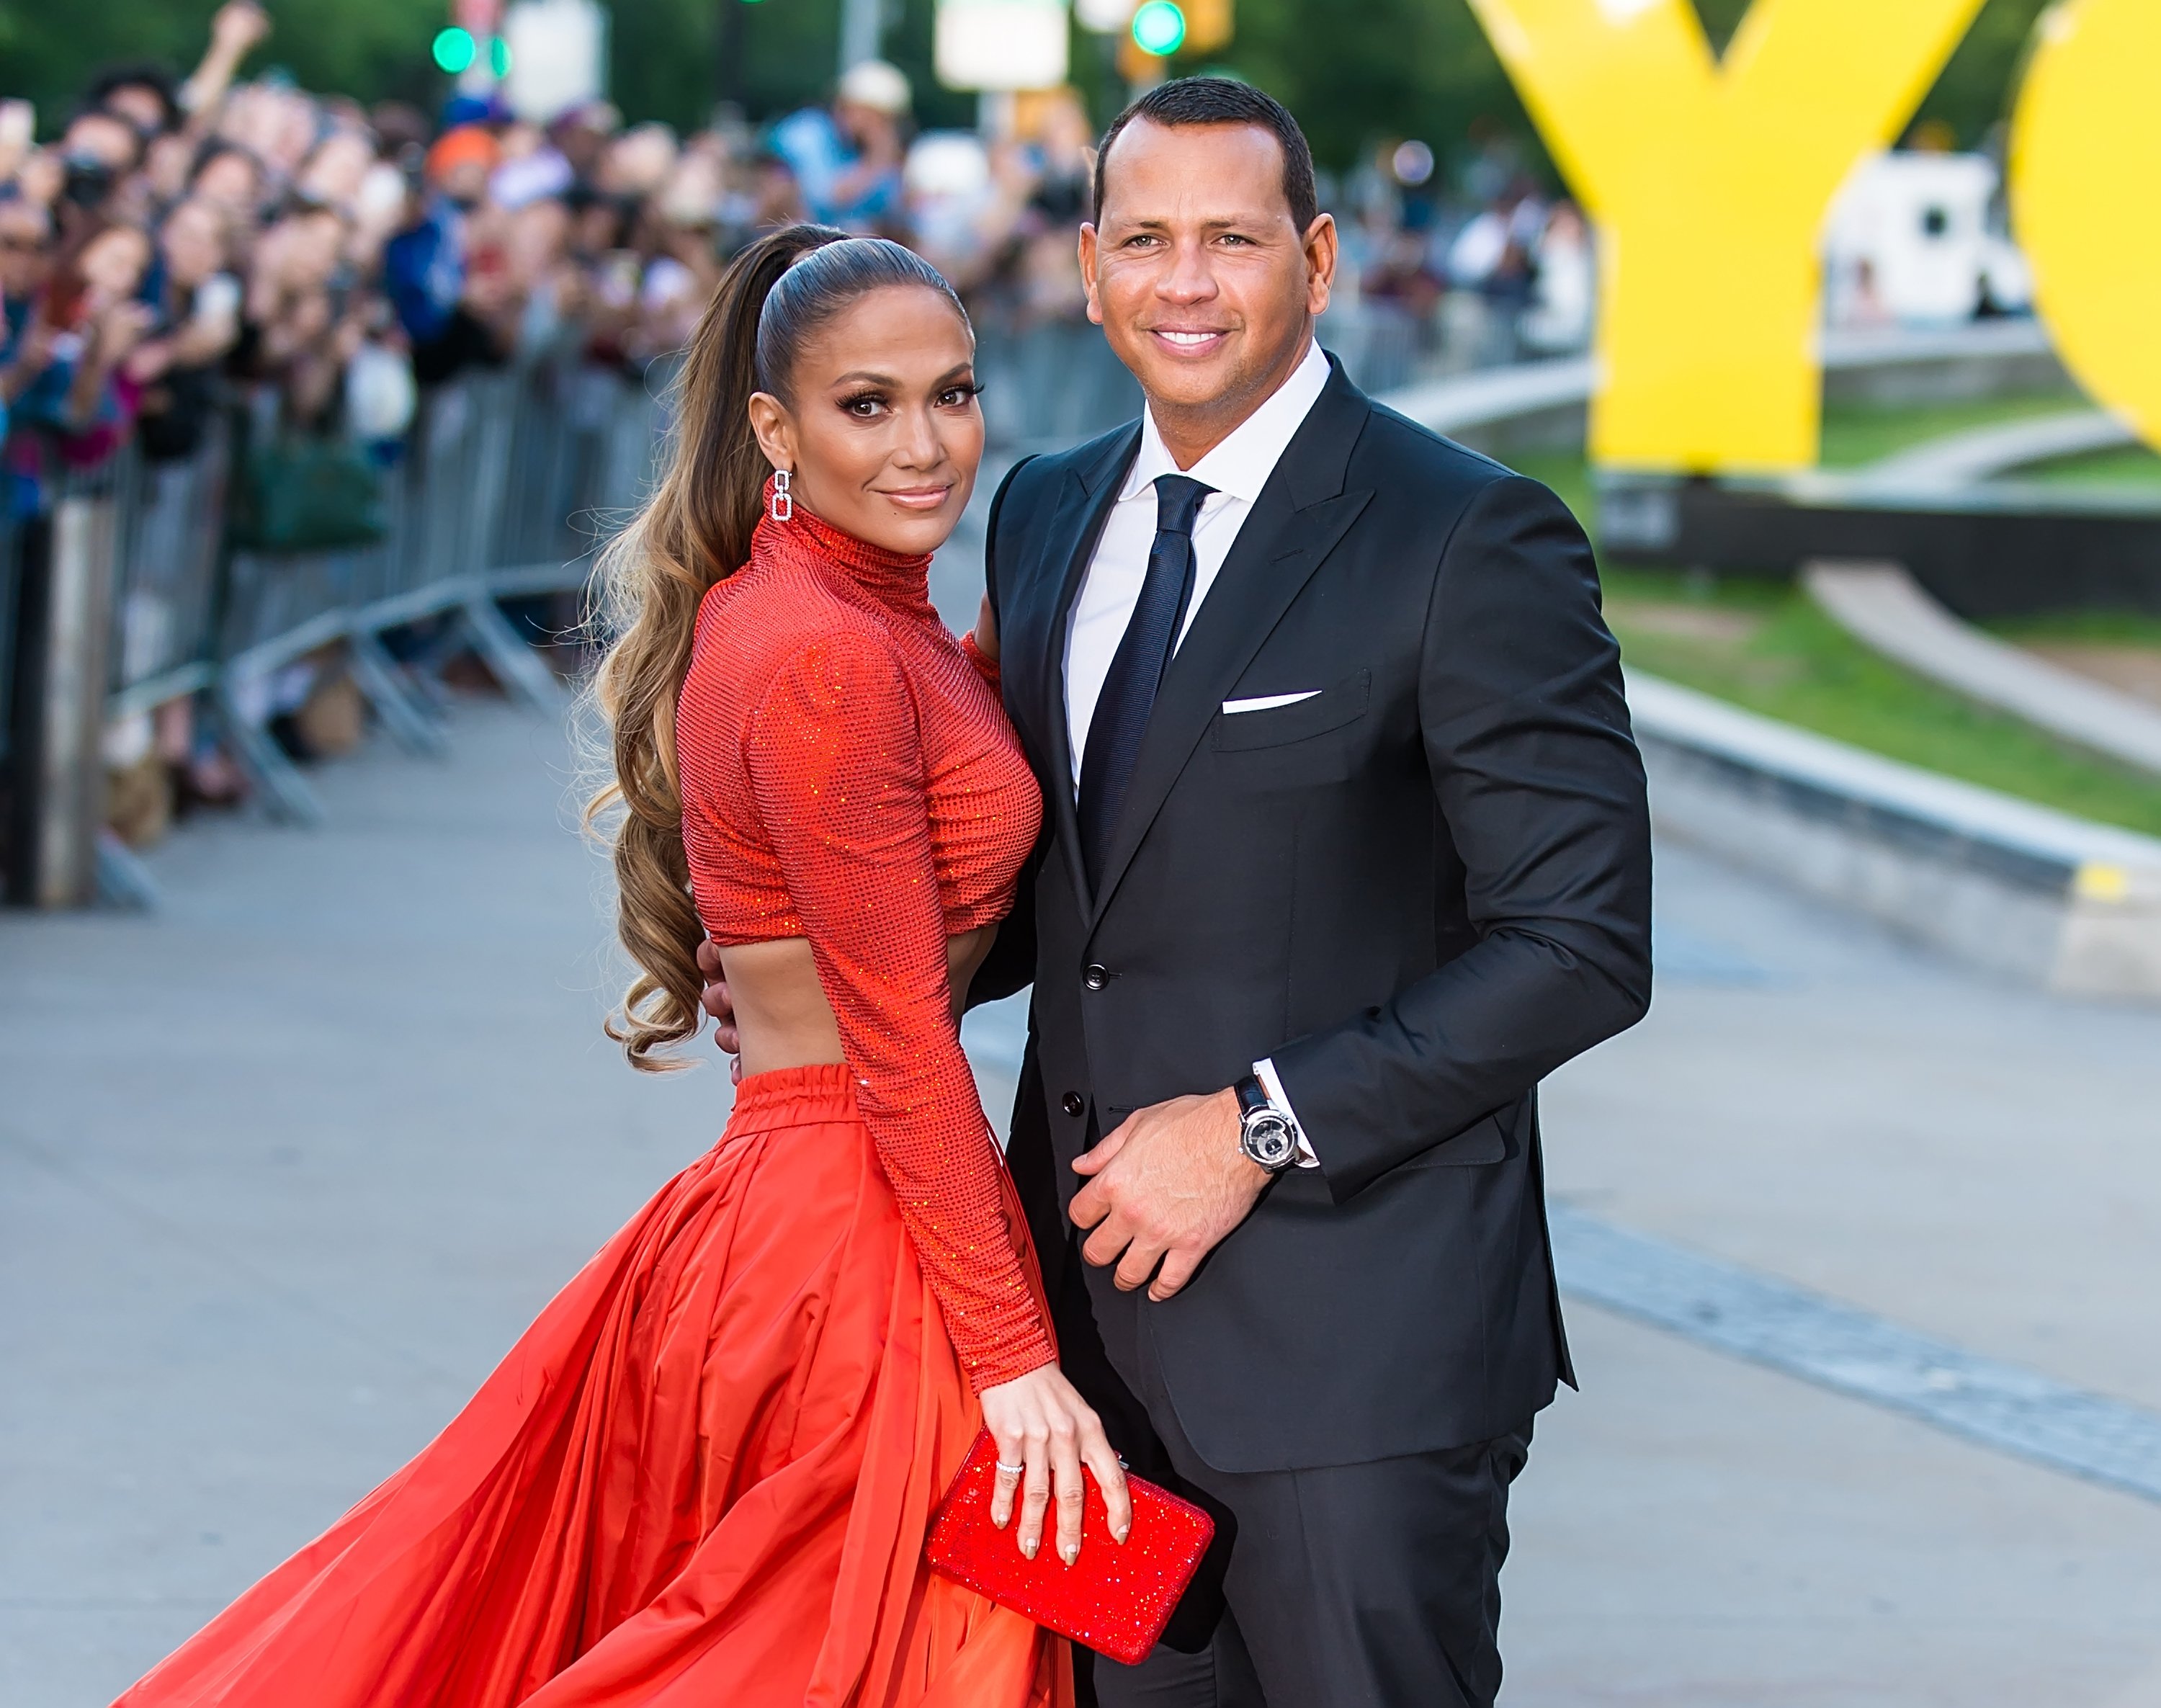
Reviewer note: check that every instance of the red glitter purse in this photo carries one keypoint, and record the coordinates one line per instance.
(1115, 1599)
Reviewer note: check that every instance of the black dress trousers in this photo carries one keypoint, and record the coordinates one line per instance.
(1374, 1586)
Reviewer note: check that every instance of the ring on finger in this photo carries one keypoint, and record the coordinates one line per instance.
(1006, 1469)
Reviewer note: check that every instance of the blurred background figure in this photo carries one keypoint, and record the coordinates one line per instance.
(846, 157)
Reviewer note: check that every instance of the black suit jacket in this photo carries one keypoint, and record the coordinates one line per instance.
(1419, 892)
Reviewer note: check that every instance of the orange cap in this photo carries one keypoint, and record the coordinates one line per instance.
(469, 144)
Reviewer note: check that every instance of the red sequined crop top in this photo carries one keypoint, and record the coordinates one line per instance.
(848, 776)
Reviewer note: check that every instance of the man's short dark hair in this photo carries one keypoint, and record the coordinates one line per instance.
(1195, 100)
(141, 73)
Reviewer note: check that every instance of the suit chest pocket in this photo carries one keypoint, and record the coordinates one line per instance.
(1310, 739)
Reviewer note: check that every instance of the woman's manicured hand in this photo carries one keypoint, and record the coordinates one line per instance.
(1040, 1422)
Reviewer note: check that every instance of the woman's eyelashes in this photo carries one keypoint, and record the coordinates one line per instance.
(870, 405)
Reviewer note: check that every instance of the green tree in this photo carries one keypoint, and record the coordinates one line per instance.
(1358, 72)
(1978, 86)
(368, 48)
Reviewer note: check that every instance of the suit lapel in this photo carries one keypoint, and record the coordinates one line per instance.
(1300, 516)
(1083, 506)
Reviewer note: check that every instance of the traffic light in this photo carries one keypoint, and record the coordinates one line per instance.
(1208, 25)
(1159, 28)
(455, 50)
(1162, 27)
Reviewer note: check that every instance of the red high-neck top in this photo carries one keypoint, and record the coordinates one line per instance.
(848, 776)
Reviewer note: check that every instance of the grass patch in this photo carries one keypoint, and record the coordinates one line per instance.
(1856, 434)
(2127, 466)
(2107, 629)
(1767, 646)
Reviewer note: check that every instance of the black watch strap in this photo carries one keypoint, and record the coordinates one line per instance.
(1252, 1096)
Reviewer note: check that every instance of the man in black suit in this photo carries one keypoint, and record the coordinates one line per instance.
(1345, 849)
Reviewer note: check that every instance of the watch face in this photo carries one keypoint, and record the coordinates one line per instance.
(1269, 1141)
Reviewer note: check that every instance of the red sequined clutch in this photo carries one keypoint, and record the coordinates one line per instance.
(1115, 1599)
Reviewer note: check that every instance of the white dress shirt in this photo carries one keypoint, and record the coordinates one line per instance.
(1237, 468)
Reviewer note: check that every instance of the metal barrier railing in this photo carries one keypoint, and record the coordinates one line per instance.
(507, 480)
(1051, 386)
(165, 603)
(11, 593)
(1057, 383)
(500, 492)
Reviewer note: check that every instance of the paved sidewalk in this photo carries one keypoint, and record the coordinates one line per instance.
(1814, 1100)
(284, 1169)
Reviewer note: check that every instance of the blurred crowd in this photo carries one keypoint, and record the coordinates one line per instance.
(184, 241)
(1472, 261)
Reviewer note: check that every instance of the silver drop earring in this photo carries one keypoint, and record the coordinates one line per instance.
(783, 505)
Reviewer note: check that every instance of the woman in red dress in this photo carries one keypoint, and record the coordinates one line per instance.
(705, 1476)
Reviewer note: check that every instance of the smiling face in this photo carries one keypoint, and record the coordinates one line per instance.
(228, 178)
(25, 247)
(193, 242)
(112, 263)
(881, 427)
(1198, 276)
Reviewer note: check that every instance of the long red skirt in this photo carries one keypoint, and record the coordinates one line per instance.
(703, 1477)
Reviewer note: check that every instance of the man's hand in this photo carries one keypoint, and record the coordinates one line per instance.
(1166, 1187)
(715, 1000)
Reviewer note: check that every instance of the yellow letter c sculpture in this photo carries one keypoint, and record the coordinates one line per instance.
(2086, 160)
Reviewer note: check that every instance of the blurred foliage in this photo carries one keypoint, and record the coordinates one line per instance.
(1357, 74)
(1375, 71)
(1976, 88)
(373, 50)
(1356, 71)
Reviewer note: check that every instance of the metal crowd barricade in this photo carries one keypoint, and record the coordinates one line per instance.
(1378, 344)
(1051, 386)
(66, 615)
(11, 595)
(500, 470)
(506, 482)
(165, 589)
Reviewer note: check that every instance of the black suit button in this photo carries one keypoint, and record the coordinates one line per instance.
(1071, 1104)
(1095, 975)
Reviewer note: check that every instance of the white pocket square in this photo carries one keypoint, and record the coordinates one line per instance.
(1268, 702)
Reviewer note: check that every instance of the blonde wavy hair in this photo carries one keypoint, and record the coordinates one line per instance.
(695, 531)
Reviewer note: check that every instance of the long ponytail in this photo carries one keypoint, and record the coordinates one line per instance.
(695, 531)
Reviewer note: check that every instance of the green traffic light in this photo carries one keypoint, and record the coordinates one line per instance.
(455, 50)
(1159, 29)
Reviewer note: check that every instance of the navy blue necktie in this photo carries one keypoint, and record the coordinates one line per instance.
(1137, 668)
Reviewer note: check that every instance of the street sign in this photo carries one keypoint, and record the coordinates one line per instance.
(1002, 44)
(558, 56)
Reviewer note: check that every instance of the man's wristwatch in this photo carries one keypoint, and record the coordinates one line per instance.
(1265, 1133)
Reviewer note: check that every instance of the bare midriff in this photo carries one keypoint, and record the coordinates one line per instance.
(781, 1010)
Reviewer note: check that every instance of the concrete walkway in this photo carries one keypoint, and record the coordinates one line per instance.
(285, 1167)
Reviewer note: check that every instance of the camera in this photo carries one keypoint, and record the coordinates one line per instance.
(85, 180)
